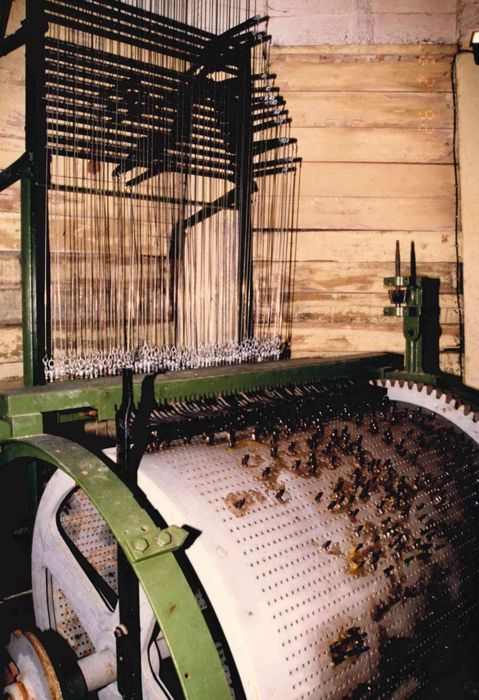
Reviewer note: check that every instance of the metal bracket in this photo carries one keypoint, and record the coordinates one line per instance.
(162, 541)
(193, 650)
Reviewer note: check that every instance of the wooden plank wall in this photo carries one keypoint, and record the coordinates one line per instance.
(374, 126)
(468, 151)
(11, 147)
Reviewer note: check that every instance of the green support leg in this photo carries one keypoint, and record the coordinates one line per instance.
(28, 291)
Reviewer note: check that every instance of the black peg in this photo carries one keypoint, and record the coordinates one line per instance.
(279, 494)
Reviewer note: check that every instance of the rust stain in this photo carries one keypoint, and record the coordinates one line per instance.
(50, 675)
(269, 477)
(240, 502)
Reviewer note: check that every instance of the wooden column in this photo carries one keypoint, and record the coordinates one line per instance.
(468, 154)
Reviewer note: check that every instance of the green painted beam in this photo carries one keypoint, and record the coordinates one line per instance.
(28, 278)
(105, 393)
(149, 551)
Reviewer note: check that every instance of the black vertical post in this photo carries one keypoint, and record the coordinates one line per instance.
(128, 633)
(244, 191)
(37, 267)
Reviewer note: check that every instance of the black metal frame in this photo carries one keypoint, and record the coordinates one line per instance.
(207, 54)
(36, 148)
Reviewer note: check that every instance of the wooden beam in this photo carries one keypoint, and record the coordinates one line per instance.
(468, 152)
(341, 50)
(373, 144)
(318, 73)
(420, 110)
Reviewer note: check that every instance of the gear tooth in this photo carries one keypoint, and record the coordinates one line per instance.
(469, 416)
(440, 401)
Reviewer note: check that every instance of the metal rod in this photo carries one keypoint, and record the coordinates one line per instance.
(128, 194)
(10, 175)
(244, 187)
(36, 230)
(413, 263)
(4, 16)
(74, 18)
(28, 280)
(119, 6)
(398, 261)
(12, 42)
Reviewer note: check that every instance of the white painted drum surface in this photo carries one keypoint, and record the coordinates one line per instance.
(327, 580)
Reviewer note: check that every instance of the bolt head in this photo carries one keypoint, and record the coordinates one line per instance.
(140, 544)
(163, 538)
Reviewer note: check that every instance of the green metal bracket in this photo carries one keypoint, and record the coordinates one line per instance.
(410, 309)
(149, 550)
(166, 540)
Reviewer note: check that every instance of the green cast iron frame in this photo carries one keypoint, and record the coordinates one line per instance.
(412, 314)
(22, 411)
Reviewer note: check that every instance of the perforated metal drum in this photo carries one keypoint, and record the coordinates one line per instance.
(340, 560)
